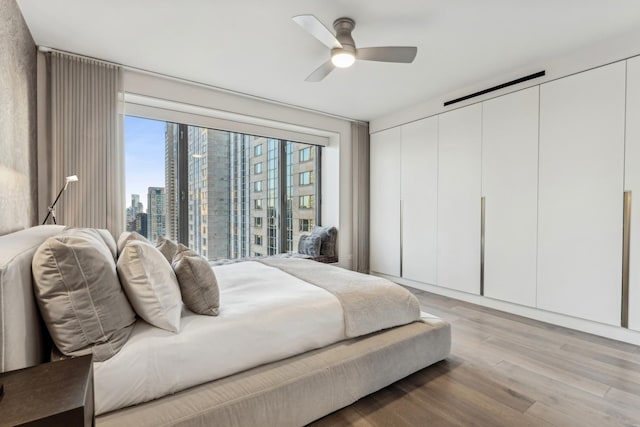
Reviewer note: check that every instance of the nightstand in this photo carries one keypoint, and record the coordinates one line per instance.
(52, 394)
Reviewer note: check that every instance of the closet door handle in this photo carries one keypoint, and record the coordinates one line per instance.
(482, 219)
(626, 246)
(401, 234)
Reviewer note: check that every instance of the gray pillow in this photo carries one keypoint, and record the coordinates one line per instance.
(80, 297)
(309, 245)
(167, 247)
(150, 284)
(198, 283)
(329, 236)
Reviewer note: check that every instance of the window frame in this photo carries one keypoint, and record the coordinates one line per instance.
(309, 180)
(307, 157)
(311, 203)
(308, 222)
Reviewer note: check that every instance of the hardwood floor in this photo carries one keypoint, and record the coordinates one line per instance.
(506, 370)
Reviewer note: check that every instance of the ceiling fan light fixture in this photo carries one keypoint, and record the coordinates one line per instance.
(342, 58)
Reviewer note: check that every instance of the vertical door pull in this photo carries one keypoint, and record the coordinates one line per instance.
(482, 219)
(626, 230)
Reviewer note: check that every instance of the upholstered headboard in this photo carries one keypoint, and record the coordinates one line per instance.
(23, 337)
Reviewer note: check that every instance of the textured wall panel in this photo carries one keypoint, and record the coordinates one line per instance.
(18, 175)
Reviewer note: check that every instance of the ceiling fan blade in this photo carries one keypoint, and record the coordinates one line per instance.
(404, 54)
(314, 27)
(321, 72)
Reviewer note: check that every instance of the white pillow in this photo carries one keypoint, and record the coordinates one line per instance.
(125, 236)
(151, 285)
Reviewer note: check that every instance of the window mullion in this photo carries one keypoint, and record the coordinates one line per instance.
(182, 175)
(282, 184)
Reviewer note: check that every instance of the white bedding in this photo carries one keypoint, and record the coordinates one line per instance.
(287, 316)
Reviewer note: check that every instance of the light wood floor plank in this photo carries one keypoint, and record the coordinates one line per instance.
(506, 370)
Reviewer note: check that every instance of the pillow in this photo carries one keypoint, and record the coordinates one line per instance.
(130, 235)
(309, 245)
(167, 247)
(328, 236)
(100, 234)
(150, 284)
(109, 241)
(79, 295)
(197, 281)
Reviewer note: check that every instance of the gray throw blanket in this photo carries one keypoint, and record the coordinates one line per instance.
(369, 303)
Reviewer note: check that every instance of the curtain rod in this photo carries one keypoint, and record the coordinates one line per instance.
(46, 49)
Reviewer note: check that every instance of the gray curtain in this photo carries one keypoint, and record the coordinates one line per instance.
(85, 139)
(360, 167)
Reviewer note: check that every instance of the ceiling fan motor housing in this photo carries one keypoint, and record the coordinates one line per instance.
(344, 27)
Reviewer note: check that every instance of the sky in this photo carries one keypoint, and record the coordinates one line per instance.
(144, 156)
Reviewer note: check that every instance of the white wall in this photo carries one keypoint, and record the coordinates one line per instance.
(336, 185)
(611, 50)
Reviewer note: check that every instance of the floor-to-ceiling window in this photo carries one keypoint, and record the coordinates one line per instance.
(224, 194)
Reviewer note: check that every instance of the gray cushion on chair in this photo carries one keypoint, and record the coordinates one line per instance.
(328, 235)
(309, 245)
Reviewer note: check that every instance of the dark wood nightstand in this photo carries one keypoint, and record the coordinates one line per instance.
(52, 394)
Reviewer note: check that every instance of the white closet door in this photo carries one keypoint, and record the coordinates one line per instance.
(581, 194)
(459, 148)
(419, 184)
(510, 189)
(632, 183)
(384, 219)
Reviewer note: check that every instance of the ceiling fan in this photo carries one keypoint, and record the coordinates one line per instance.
(343, 48)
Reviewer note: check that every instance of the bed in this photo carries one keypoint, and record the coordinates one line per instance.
(281, 376)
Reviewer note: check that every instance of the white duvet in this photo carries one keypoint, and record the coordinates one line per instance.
(265, 315)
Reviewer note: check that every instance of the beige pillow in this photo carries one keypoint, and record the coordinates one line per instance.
(109, 241)
(127, 236)
(80, 297)
(150, 284)
(100, 234)
(167, 247)
(197, 281)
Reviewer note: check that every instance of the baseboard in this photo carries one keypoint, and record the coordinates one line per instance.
(600, 329)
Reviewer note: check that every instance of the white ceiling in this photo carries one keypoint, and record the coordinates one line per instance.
(253, 46)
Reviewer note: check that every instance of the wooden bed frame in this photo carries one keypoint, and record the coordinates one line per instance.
(290, 392)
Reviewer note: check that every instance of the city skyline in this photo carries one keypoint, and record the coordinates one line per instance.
(245, 195)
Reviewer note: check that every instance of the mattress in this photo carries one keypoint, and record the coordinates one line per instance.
(265, 315)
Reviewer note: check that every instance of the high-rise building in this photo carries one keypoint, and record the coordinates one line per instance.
(235, 187)
(172, 195)
(133, 211)
(301, 191)
(208, 191)
(140, 224)
(156, 216)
